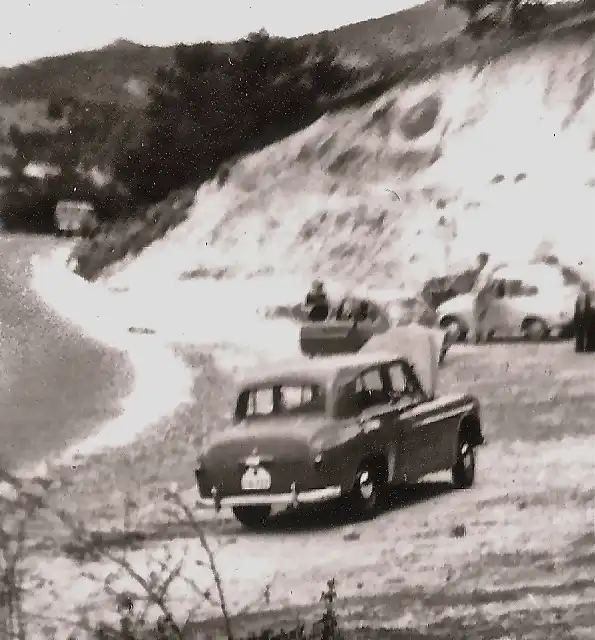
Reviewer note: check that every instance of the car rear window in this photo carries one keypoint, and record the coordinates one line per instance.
(281, 400)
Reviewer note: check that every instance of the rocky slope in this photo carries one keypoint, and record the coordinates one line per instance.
(494, 157)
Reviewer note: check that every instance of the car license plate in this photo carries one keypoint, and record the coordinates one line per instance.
(258, 479)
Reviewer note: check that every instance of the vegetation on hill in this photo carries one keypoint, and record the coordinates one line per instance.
(205, 109)
(207, 105)
(104, 75)
(108, 246)
(75, 138)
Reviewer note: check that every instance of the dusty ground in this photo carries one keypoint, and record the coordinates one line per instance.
(523, 567)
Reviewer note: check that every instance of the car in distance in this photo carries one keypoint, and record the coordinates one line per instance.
(531, 301)
(341, 333)
(344, 427)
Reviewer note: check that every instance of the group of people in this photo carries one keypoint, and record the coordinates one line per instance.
(318, 303)
(319, 306)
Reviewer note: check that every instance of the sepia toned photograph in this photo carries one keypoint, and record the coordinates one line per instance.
(297, 320)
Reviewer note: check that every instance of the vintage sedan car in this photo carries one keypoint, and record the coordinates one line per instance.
(342, 332)
(344, 427)
(531, 301)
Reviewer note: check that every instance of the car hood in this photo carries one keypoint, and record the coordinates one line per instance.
(283, 439)
(459, 304)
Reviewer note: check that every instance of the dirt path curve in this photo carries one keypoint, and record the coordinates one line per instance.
(55, 384)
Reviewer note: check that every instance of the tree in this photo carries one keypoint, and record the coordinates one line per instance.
(485, 15)
(217, 101)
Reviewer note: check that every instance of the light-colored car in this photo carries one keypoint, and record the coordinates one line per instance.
(530, 300)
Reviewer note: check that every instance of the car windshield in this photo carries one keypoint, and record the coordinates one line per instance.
(281, 400)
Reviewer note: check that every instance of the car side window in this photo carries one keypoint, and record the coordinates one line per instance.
(405, 387)
(260, 403)
(369, 390)
(369, 381)
(518, 288)
(398, 379)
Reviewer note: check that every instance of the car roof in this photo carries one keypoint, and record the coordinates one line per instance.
(322, 369)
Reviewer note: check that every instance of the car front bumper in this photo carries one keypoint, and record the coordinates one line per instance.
(292, 499)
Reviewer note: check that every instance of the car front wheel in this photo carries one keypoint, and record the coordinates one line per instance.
(463, 470)
(455, 328)
(364, 500)
(252, 517)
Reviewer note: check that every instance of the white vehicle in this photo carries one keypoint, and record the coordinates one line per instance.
(531, 300)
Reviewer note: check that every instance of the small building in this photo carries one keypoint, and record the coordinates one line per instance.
(41, 170)
(74, 217)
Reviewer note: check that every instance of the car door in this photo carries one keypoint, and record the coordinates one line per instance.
(374, 410)
(516, 301)
(495, 310)
(408, 438)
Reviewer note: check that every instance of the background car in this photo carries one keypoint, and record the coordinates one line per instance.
(349, 426)
(386, 311)
(531, 300)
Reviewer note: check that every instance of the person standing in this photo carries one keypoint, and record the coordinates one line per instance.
(584, 321)
(578, 321)
(318, 303)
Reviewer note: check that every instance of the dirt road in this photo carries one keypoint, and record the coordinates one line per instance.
(55, 384)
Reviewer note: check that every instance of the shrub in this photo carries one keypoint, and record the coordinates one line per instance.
(21, 502)
(212, 105)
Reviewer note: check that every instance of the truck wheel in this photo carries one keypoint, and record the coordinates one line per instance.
(252, 517)
(463, 470)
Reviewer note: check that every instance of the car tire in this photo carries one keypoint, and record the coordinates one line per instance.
(252, 517)
(455, 328)
(535, 329)
(463, 470)
(365, 496)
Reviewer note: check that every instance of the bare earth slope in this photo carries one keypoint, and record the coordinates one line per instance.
(496, 150)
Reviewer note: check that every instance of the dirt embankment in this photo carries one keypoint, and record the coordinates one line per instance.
(411, 186)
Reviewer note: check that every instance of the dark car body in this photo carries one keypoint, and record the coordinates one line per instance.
(354, 417)
(339, 334)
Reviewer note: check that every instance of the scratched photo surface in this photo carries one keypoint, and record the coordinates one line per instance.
(297, 320)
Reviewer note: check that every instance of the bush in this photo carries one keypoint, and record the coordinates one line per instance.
(28, 205)
(213, 104)
(114, 240)
(130, 619)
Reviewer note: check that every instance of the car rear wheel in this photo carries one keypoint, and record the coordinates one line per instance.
(463, 471)
(535, 329)
(252, 517)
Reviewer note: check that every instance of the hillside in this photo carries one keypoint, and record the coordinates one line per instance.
(424, 25)
(413, 185)
(120, 72)
(102, 75)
